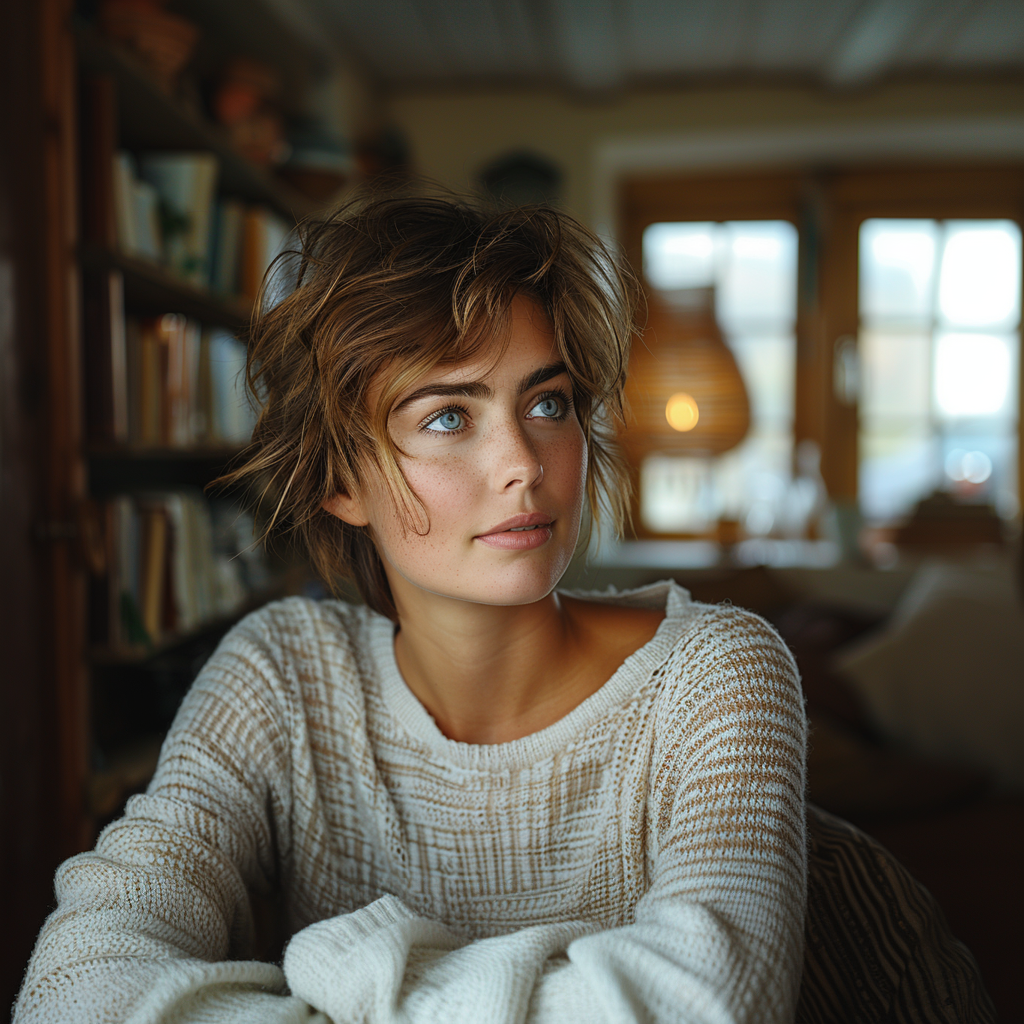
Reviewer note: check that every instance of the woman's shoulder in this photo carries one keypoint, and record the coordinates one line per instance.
(728, 660)
(297, 639)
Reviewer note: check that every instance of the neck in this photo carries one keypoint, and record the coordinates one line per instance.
(490, 673)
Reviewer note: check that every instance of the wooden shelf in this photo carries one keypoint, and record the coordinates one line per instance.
(150, 289)
(106, 656)
(150, 119)
(116, 470)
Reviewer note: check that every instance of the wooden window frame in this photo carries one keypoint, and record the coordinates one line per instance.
(827, 208)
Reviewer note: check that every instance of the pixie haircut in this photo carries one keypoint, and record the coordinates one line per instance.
(386, 288)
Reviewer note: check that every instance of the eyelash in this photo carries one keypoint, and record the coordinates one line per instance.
(562, 396)
(462, 411)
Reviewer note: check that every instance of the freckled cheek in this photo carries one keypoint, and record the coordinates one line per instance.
(446, 488)
(565, 468)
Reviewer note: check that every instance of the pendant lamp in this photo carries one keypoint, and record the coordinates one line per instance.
(685, 391)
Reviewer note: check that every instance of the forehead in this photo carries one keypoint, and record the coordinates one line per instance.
(501, 355)
(526, 337)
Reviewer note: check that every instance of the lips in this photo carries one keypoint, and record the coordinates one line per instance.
(520, 522)
(520, 533)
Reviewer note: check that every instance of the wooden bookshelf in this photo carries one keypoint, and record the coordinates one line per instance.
(126, 771)
(149, 290)
(148, 118)
(123, 109)
(82, 724)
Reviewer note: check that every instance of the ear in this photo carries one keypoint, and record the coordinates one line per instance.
(347, 508)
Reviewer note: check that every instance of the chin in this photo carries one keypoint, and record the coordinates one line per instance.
(513, 588)
(521, 587)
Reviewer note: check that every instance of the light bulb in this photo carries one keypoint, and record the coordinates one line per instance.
(682, 412)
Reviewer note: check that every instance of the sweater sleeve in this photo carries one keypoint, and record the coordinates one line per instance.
(717, 937)
(146, 923)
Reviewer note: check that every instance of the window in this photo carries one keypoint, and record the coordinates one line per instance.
(751, 267)
(940, 308)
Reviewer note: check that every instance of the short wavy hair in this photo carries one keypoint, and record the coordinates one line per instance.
(385, 289)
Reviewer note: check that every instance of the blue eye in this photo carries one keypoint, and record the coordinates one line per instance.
(550, 407)
(447, 422)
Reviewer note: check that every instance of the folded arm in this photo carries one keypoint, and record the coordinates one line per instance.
(716, 938)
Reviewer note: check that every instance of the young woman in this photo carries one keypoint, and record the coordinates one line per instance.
(479, 799)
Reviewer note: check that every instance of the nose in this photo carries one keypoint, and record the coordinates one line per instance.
(517, 463)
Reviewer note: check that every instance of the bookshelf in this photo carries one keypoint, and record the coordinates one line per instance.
(155, 435)
(150, 289)
(152, 119)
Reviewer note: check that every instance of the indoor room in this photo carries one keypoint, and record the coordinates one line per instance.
(819, 210)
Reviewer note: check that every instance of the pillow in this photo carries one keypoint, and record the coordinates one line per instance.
(945, 676)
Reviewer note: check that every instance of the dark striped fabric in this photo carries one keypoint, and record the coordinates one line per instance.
(878, 950)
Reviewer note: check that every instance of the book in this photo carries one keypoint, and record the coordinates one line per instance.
(264, 237)
(170, 569)
(124, 179)
(149, 385)
(136, 208)
(225, 256)
(233, 416)
(186, 184)
(154, 556)
(147, 227)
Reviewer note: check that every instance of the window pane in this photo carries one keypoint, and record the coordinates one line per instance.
(680, 255)
(676, 495)
(979, 285)
(895, 368)
(898, 465)
(973, 374)
(768, 366)
(758, 278)
(897, 266)
(752, 481)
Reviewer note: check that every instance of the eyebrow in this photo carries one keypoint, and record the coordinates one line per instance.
(478, 389)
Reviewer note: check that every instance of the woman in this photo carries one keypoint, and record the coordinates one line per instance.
(480, 799)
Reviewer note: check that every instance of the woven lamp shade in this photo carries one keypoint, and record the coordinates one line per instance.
(685, 391)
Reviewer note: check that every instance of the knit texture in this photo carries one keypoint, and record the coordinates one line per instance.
(641, 859)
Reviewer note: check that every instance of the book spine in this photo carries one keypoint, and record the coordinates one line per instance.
(154, 564)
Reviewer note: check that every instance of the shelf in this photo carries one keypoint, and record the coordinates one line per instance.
(151, 119)
(106, 656)
(127, 771)
(150, 289)
(115, 470)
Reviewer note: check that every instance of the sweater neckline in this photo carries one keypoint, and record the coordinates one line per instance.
(402, 704)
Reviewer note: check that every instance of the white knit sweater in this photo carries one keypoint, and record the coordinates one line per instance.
(641, 859)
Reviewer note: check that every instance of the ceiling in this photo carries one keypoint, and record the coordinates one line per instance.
(601, 46)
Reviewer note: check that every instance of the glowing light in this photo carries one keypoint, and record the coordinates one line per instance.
(682, 412)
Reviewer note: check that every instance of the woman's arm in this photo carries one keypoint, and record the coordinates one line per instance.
(716, 938)
(145, 923)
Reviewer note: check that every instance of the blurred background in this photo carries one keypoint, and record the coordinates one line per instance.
(824, 205)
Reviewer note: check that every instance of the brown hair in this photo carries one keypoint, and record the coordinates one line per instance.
(386, 288)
